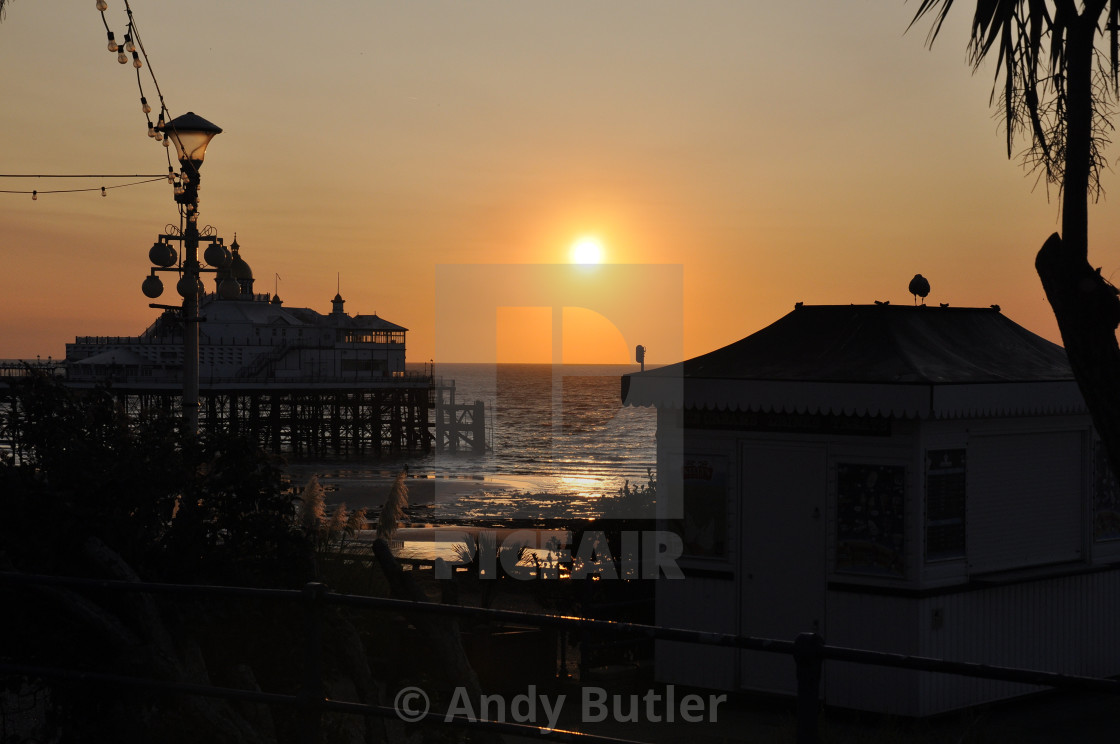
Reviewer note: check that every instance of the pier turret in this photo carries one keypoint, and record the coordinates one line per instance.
(240, 270)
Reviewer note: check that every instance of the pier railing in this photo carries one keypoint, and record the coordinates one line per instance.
(808, 652)
(23, 368)
(172, 376)
(87, 360)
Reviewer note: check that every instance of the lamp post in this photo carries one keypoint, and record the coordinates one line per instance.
(190, 134)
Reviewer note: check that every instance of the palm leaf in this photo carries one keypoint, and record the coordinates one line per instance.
(1114, 45)
(1027, 40)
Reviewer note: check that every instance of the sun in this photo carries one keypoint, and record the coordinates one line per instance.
(587, 250)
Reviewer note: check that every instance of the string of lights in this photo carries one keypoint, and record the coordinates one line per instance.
(134, 46)
(154, 131)
(103, 189)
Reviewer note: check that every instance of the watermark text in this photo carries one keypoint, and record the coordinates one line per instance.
(531, 554)
(591, 705)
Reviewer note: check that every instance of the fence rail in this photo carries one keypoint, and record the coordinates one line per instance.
(808, 650)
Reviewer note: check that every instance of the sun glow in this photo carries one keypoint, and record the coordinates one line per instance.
(587, 250)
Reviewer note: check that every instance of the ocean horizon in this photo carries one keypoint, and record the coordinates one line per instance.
(558, 438)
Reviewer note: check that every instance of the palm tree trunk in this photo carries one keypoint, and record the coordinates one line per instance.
(1085, 305)
(1079, 137)
(1087, 310)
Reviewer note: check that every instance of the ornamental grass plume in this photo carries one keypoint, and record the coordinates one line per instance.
(356, 522)
(312, 507)
(393, 510)
(338, 521)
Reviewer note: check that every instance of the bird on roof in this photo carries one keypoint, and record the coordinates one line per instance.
(919, 287)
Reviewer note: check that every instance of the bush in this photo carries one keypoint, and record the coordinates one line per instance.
(173, 507)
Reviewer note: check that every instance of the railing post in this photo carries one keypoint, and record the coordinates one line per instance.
(311, 694)
(807, 656)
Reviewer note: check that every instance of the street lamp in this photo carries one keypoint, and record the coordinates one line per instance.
(191, 134)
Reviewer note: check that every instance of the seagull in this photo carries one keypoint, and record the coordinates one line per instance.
(919, 287)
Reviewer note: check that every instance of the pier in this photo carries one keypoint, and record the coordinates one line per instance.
(400, 415)
(459, 427)
(290, 378)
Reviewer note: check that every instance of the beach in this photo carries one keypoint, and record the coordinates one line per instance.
(560, 441)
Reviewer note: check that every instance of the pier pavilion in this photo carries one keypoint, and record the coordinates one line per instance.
(291, 378)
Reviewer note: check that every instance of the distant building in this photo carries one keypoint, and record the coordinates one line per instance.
(252, 337)
(917, 480)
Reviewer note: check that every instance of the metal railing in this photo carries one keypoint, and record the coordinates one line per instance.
(808, 651)
(24, 368)
(171, 377)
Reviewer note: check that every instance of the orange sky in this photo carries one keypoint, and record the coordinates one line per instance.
(774, 152)
(524, 334)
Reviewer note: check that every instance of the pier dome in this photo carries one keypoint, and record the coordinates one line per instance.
(238, 267)
(240, 270)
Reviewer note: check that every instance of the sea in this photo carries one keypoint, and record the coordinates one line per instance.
(558, 440)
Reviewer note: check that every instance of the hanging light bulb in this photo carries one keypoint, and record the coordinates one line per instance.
(34, 196)
(170, 175)
(112, 43)
(136, 61)
(159, 137)
(122, 57)
(151, 130)
(103, 191)
(145, 106)
(166, 141)
(102, 5)
(128, 45)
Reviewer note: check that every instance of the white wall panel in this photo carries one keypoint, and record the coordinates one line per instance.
(1025, 496)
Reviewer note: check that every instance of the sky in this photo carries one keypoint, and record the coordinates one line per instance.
(774, 153)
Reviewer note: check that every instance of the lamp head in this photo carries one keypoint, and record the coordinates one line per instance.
(190, 134)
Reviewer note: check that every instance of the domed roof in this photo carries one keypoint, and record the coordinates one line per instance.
(238, 268)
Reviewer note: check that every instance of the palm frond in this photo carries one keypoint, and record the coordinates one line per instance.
(464, 553)
(939, 9)
(1028, 40)
(1114, 44)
